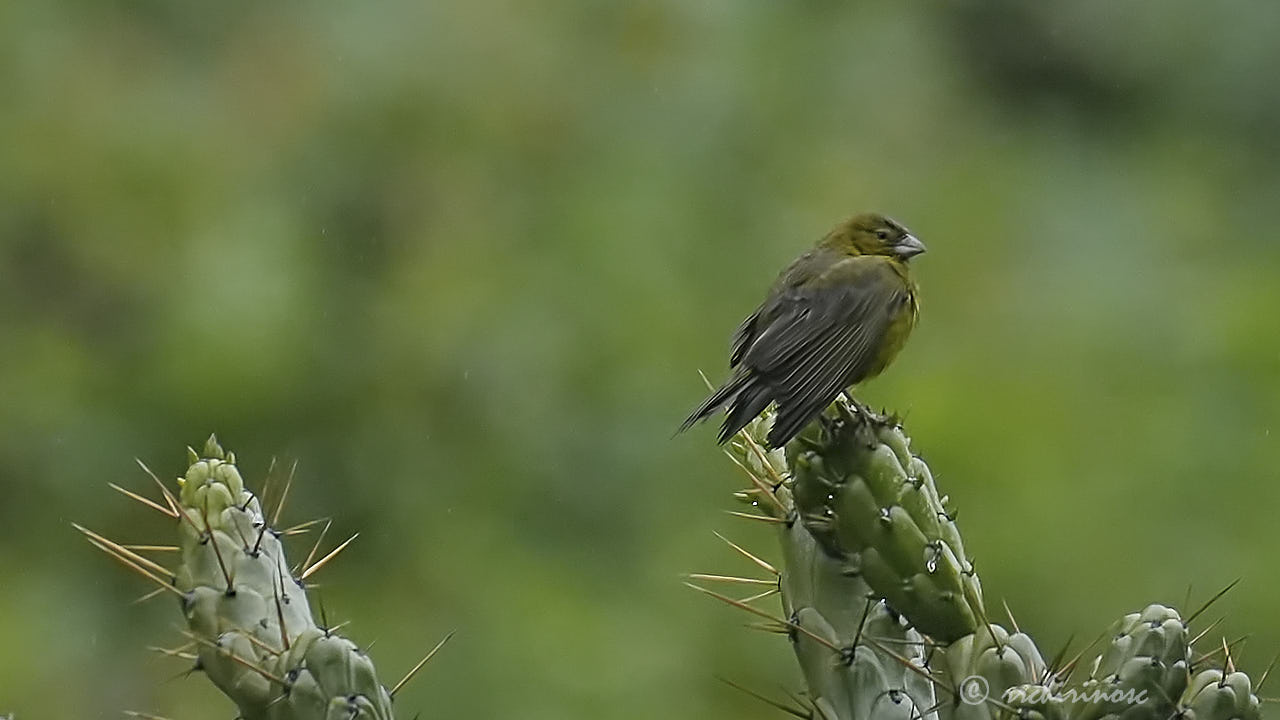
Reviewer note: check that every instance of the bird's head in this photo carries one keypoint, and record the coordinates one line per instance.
(874, 234)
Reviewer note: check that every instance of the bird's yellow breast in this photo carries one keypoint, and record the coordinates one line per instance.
(900, 327)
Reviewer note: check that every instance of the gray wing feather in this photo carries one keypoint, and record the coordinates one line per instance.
(818, 341)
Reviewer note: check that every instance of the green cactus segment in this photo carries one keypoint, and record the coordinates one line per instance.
(1217, 695)
(1144, 670)
(848, 676)
(867, 499)
(1143, 674)
(854, 653)
(1148, 671)
(982, 668)
(256, 638)
(885, 612)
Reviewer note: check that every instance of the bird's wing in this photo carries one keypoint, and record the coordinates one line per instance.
(806, 268)
(824, 335)
(742, 339)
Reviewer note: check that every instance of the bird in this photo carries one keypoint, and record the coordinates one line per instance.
(836, 316)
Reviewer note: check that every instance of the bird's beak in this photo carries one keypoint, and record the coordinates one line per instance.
(908, 247)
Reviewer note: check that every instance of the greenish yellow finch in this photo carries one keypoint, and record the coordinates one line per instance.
(838, 315)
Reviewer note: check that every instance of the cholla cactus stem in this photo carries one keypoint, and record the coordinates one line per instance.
(234, 588)
(213, 542)
(233, 657)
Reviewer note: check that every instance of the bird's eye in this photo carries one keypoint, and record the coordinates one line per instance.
(882, 234)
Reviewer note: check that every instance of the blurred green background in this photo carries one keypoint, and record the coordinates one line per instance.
(463, 261)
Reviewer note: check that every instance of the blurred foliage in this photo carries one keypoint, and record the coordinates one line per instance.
(463, 261)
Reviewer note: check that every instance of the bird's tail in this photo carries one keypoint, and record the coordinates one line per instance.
(745, 395)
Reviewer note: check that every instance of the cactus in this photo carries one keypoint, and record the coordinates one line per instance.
(883, 608)
(885, 611)
(249, 620)
(864, 497)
